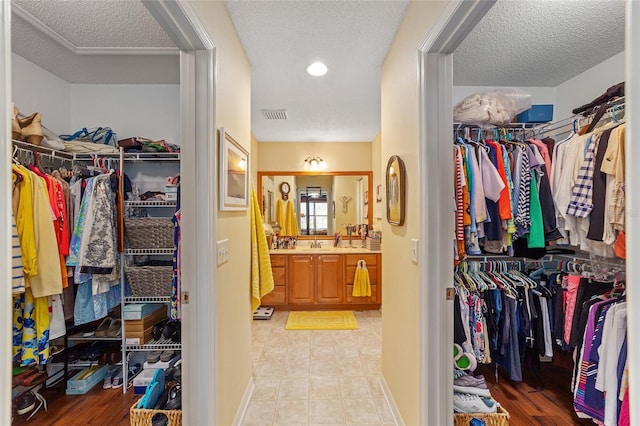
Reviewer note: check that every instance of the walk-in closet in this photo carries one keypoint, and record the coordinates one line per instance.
(96, 142)
(540, 315)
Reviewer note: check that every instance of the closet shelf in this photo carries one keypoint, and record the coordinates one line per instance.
(168, 250)
(163, 344)
(148, 299)
(80, 337)
(43, 150)
(151, 203)
(134, 156)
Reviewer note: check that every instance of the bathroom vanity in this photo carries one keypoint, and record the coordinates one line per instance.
(322, 278)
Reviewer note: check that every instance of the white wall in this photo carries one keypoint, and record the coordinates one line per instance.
(148, 110)
(587, 86)
(35, 89)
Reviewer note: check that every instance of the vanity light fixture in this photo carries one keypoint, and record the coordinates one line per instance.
(317, 69)
(315, 163)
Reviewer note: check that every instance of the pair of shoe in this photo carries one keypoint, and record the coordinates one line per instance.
(30, 377)
(29, 402)
(168, 329)
(471, 403)
(113, 379)
(28, 129)
(164, 356)
(463, 360)
(109, 327)
(476, 385)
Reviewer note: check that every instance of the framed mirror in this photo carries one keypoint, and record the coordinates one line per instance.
(322, 202)
(396, 189)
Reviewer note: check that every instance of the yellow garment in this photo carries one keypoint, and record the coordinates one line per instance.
(292, 220)
(261, 275)
(48, 280)
(24, 221)
(361, 282)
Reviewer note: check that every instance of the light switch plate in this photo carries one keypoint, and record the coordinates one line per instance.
(414, 250)
(222, 251)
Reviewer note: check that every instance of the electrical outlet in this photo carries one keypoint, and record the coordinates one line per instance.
(414, 250)
(222, 251)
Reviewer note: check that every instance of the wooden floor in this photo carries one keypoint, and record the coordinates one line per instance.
(535, 402)
(528, 402)
(96, 407)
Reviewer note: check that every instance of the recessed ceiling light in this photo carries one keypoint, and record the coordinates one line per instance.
(317, 69)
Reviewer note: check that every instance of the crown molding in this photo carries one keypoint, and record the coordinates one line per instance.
(53, 35)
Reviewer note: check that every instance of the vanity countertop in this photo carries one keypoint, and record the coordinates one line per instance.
(329, 250)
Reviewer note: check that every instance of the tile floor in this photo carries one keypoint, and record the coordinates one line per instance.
(317, 377)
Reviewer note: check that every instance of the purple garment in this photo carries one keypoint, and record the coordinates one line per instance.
(588, 399)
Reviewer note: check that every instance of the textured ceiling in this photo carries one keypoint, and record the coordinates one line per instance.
(539, 42)
(518, 43)
(98, 23)
(94, 41)
(281, 38)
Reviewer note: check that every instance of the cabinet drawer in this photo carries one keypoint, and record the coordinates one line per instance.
(277, 297)
(279, 276)
(278, 260)
(371, 299)
(351, 273)
(352, 259)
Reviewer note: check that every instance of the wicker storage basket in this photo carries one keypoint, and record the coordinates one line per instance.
(142, 417)
(149, 232)
(149, 281)
(500, 418)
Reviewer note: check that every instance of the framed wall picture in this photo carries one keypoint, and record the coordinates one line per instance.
(234, 173)
(396, 191)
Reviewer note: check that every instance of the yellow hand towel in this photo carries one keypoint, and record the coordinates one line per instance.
(361, 282)
(261, 274)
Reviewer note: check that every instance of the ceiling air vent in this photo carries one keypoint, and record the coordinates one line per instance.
(275, 114)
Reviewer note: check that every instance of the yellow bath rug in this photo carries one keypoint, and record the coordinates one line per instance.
(321, 320)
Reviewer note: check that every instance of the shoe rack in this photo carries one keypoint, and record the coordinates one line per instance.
(155, 208)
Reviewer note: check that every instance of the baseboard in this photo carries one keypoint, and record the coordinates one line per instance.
(395, 412)
(244, 403)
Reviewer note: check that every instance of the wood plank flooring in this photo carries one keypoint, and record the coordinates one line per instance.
(544, 400)
(97, 407)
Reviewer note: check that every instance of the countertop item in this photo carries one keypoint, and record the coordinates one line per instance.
(328, 249)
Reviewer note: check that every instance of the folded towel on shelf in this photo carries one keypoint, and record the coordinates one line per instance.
(361, 281)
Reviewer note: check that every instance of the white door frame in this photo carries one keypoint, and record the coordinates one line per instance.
(6, 301)
(632, 183)
(198, 205)
(435, 77)
(436, 218)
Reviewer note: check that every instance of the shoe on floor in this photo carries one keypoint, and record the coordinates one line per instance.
(117, 378)
(473, 385)
(468, 403)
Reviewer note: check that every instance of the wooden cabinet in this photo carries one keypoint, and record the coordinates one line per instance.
(322, 281)
(315, 279)
(278, 296)
(301, 279)
(373, 267)
(329, 278)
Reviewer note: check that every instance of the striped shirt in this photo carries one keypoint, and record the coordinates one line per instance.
(17, 274)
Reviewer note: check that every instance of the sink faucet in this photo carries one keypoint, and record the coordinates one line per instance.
(316, 243)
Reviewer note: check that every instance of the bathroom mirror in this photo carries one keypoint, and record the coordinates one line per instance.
(322, 202)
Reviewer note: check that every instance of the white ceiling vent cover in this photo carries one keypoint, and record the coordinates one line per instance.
(275, 114)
